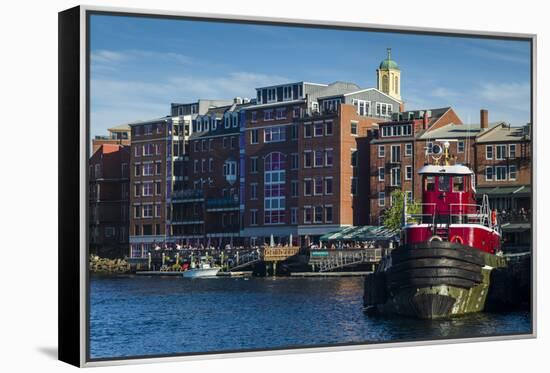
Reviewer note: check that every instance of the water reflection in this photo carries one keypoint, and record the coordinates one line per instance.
(133, 316)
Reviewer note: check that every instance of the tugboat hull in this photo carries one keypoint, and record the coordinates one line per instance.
(432, 280)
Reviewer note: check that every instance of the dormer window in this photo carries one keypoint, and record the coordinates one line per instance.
(227, 122)
(287, 93)
(271, 94)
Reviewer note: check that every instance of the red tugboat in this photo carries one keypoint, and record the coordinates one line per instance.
(443, 263)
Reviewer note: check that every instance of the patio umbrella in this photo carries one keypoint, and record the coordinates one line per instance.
(290, 240)
(272, 241)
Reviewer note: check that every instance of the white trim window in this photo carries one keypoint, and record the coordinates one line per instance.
(501, 173)
(318, 158)
(381, 174)
(294, 161)
(318, 129)
(328, 213)
(253, 217)
(381, 151)
(253, 116)
(307, 215)
(294, 188)
(329, 157)
(274, 134)
(396, 153)
(460, 146)
(307, 130)
(296, 112)
(227, 120)
(318, 214)
(280, 113)
(308, 187)
(148, 169)
(512, 151)
(331, 105)
(381, 199)
(512, 172)
(408, 149)
(328, 185)
(488, 151)
(353, 128)
(383, 109)
(362, 107)
(157, 210)
(271, 94)
(253, 165)
(253, 191)
(408, 172)
(409, 196)
(501, 152)
(488, 173)
(137, 212)
(395, 176)
(294, 215)
(268, 114)
(308, 159)
(147, 189)
(318, 186)
(254, 136)
(328, 128)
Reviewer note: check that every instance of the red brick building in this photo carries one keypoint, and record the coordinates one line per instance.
(157, 168)
(108, 200)
(301, 166)
(503, 166)
(119, 135)
(207, 210)
(398, 150)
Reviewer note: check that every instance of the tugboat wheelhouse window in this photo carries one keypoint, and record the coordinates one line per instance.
(443, 183)
(429, 183)
(458, 184)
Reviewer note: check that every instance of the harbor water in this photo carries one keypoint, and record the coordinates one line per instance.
(134, 316)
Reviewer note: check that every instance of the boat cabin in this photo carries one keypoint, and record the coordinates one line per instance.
(447, 190)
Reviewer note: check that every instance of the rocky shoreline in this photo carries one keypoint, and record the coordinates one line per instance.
(108, 266)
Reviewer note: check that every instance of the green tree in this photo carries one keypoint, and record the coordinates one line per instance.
(392, 218)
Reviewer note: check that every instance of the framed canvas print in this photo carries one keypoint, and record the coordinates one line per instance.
(251, 185)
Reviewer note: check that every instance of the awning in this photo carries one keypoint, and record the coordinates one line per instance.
(502, 191)
(361, 233)
(515, 227)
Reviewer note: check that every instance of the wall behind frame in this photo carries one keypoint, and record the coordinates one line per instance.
(68, 179)
(29, 330)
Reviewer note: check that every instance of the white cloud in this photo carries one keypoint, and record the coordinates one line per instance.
(506, 92)
(121, 101)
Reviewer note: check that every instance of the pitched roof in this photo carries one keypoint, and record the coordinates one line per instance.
(455, 131)
(504, 133)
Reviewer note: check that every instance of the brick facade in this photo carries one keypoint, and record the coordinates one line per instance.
(108, 200)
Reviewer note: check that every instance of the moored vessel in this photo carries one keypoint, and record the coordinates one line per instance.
(201, 270)
(447, 250)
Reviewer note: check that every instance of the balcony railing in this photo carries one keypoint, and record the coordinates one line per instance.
(221, 203)
(187, 195)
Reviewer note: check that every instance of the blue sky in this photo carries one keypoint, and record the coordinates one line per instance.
(140, 65)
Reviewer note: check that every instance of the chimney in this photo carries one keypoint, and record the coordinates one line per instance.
(483, 119)
(425, 120)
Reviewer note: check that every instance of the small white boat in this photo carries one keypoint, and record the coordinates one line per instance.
(203, 270)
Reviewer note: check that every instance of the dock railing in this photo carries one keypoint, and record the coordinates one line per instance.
(277, 254)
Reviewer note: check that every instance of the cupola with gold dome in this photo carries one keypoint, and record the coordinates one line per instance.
(389, 77)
